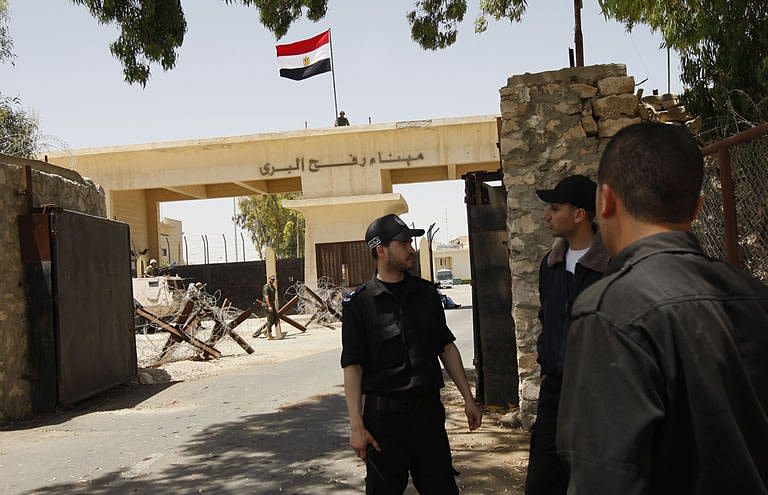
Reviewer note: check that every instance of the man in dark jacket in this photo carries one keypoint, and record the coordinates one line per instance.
(577, 260)
(665, 388)
(393, 333)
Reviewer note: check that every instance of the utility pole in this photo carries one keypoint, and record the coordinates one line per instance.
(234, 226)
(578, 38)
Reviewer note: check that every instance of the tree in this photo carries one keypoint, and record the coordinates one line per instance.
(151, 31)
(6, 43)
(270, 224)
(19, 134)
(18, 128)
(723, 47)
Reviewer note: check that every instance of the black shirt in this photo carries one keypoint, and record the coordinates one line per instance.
(397, 340)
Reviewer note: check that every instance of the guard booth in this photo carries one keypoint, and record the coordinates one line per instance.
(77, 276)
(494, 329)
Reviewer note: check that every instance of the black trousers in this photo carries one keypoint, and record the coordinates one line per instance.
(546, 473)
(412, 441)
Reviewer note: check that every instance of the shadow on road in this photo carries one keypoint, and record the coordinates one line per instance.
(123, 396)
(301, 449)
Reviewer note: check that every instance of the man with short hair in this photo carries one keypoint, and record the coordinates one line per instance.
(577, 260)
(393, 333)
(665, 389)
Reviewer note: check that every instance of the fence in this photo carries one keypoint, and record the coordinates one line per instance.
(733, 223)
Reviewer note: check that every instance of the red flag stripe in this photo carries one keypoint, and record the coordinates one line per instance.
(303, 46)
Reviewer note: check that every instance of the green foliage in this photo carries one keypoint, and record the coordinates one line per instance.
(434, 23)
(278, 15)
(270, 224)
(723, 47)
(6, 43)
(150, 32)
(18, 129)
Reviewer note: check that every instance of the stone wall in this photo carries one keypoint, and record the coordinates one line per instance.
(50, 185)
(555, 124)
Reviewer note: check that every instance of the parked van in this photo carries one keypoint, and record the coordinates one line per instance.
(445, 278)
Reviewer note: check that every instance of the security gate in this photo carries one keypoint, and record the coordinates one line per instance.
(77, 274)
(347, 264)
(494, 328)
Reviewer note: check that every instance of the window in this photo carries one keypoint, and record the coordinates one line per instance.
(444, 262)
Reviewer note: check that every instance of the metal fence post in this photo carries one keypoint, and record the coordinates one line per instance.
(729, 208)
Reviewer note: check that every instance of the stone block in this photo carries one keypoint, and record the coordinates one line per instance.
(654, 101)
(513, 142)
(584, 90)
(569, 107)
(679, 113)
(552, 125)
(615, 106)
(508, 125)
(575, 132)
(587, 75)
(669, 100)
(609, 127)
(616, 85)
(647, 112)
(589, 125)
(511, 109)
(529, 389)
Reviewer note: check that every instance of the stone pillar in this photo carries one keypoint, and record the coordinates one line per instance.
(554, 124)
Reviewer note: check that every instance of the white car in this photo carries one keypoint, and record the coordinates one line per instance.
(445, 278)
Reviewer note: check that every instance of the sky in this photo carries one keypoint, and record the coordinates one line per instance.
(226, 82)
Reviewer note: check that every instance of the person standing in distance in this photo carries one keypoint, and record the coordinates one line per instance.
(393, 334)
(577, 260)
(341, 120)
(665, 388)
(273, 318)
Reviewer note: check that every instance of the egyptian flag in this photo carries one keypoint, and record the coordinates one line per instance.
(305, 58)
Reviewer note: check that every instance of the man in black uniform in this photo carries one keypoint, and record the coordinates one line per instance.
(577, 260)
(394, 330)
(665, 389)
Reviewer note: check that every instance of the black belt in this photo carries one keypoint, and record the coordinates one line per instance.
(401, 404)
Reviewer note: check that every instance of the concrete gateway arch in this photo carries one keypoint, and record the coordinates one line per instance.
(345, 175)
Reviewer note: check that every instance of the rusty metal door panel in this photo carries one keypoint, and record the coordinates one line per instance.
(95, 341)
(494, 330)
(346, 263)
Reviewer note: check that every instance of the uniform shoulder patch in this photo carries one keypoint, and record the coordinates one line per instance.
(347, 297)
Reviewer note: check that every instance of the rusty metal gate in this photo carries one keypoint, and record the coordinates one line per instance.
(347, 264)
(494, 328)
(80, 265)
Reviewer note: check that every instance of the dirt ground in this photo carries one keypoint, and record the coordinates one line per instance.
(492, 459)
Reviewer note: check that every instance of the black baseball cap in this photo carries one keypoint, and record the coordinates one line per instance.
(389, 228)
(576, 190)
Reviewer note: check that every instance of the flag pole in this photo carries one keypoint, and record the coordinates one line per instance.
(333, 78)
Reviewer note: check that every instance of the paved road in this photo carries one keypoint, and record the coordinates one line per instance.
(261, 429)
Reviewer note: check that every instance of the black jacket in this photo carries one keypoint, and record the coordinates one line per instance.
(558, 289)
(396, 342)
(666, 382)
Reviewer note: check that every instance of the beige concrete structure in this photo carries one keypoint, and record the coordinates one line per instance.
(170, 242)
(345, 174)
(453, 256)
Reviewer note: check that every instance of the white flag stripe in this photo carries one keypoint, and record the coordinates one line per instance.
(298, 61)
